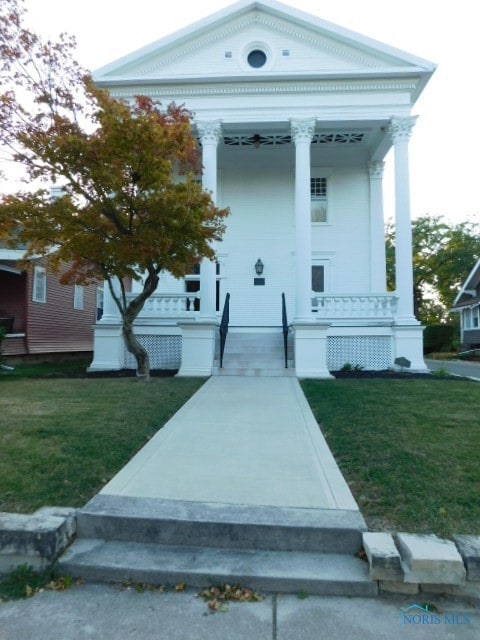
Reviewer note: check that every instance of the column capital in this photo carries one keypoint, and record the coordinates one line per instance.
(302, 130)
(209, 132)
(375, 169)
(400, 129)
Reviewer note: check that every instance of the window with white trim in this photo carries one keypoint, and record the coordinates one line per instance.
(78, 297)
(320, 277)
(467, 319)
(318, 199)
(99, 297)
(39, 289)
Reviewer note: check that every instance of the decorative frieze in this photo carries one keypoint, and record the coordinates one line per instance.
(267, 89)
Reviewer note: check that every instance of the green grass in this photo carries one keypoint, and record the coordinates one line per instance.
(45, 369)
(409, 449)
(62, 439)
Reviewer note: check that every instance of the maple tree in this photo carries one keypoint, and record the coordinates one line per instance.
(443, 255)
(129, 205)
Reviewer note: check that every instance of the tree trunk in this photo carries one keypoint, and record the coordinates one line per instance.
(135, 348)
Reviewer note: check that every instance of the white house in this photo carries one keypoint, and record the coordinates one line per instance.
(294, 116)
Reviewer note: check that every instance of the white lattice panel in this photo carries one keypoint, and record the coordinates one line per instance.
(370, 352)
(165, 352)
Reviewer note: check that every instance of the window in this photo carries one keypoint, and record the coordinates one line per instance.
(318, 197)
(78, 297)
(467, 319)
(39, 293)
(192, 285)
(99, 304)
(318, 278)
(475, 317)
(257, 58)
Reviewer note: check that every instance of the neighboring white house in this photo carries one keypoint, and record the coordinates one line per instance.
(467, 304)
(294, 116)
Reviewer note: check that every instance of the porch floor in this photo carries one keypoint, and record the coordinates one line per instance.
(249, 441)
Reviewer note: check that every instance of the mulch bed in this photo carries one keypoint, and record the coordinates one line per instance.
(389, 374)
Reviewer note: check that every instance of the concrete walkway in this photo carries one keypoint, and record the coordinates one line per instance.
(239, 440)
(107, 613)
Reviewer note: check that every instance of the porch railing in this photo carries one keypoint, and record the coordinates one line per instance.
(355, 306)
(224, 327)
(285, 330)
(169, 305)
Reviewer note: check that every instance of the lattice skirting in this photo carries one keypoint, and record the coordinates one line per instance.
(165, 352)
(370, 352)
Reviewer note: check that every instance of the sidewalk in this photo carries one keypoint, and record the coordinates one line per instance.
(106, 613)
(239, 440)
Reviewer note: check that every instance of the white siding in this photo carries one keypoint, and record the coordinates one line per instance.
(344, 241)
(258, 186)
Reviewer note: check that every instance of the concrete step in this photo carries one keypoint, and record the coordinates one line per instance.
(247, 371)
(243, 360)
(285, 572)
(176, 522)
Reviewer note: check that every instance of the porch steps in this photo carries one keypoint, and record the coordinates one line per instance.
(254, 354)
(279, 549)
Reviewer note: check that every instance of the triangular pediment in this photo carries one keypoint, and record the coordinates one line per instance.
(294, 44)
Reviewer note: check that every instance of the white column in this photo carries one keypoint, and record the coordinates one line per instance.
(400, 130)
(302, 133)
(111, 313)
(378, 271)
(210, 134)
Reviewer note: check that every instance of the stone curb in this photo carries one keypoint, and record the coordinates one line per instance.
(405, 563)
(36, 539)
(402, 563)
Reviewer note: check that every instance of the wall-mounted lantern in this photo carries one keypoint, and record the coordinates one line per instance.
(259, 267)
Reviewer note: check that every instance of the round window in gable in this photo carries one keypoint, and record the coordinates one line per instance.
(257, 58)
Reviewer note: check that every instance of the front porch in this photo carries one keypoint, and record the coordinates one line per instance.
(358, 330)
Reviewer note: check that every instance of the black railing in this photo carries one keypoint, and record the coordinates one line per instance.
(224, 326)
(285, 329)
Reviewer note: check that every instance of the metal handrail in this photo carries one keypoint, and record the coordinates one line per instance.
(285, 329)
(224, 327)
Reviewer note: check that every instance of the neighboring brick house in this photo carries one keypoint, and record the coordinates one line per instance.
(41, 315)
(467, 304)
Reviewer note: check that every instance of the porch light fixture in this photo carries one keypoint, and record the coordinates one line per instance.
(259, 267)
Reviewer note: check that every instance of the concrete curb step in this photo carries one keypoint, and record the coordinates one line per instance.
(249, 372)
(175, 522)
(285, 572)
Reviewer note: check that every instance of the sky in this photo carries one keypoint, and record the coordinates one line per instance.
(445, 143)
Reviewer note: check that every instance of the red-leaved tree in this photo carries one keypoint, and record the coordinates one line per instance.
(129, 205)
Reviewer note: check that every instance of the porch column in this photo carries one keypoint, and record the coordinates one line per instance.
(302, 133)
(400, 130)
(111, 313)
(378, 271)
(210, 134)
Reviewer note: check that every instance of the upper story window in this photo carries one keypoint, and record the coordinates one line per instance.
(78, 297)
(257, 58)
(39, 293)
(318, 198)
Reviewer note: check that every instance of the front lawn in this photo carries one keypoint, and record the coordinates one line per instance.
(61, 440)
(409, 449)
